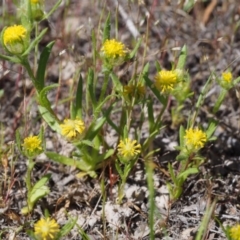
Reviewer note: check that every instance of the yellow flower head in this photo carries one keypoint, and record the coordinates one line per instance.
(195, 138)
(130, 91)
(165, 80)
(32, 145)
(46, 229)
(128, 148)
(14, 39)
(72, 129)
(235, 232)
(113, 49)
(35, 1)
(227, 77)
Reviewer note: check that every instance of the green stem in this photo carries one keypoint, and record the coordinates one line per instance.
(158, 121)
(27, 66)
(149, 171)
(104, 87)
(28, 175)
(36, 49)
(121, 191)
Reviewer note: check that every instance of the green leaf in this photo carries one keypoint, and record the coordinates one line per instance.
(119, 169)
(109, 153)
(83, 234)
(182, 156)
(151, 85)
(150, 115)
(34, 42)
(39, 190)
(26, 22)
(113, 125)
(236, 81)
(203, 92)
(54, 8)
(67, 228)
(188, 6)
(11, 59)
(100, 106)
(107, 29)
(77, 107)
(181, 136)
(46, 110)
(182, 58)
(43, 96)
(96, 125)
(38, 194)
(149, 140)
(134, 51)
(220, 99)
(94, 48)
(117, 85)
(172, 174)
(50, 119)
(42, 64)
(90, 87)
(211, 128)
(186, 173)
(78, 163)
(207, 218)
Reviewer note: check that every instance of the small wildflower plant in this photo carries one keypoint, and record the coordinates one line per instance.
(31, 147)
(91, 115)
(46, 228)
(128, 151)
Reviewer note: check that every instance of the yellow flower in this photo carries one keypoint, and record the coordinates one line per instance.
(227, 77)
(35, 1)
(235, 232)
(32, 145)
(14, 39)
(195, 138)
(165, 80)
(130, 91)
(128, 148)
(46, 229)
(72, 129)
(113, 49)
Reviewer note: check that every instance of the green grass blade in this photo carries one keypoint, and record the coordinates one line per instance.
(77, 107)
(53, 9)
(107, 29)
(90, 87)
(134, 51)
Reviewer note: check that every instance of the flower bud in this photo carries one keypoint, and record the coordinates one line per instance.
(15, 39)
(37, 10)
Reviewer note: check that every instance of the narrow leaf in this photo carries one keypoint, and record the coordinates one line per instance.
(67, 228)
(186, 173)
(34, 42)
(77, 107)
(42, 65)
(134, 51)
(91, 90)
(55, 7)
(182, 58)
(107, 29)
